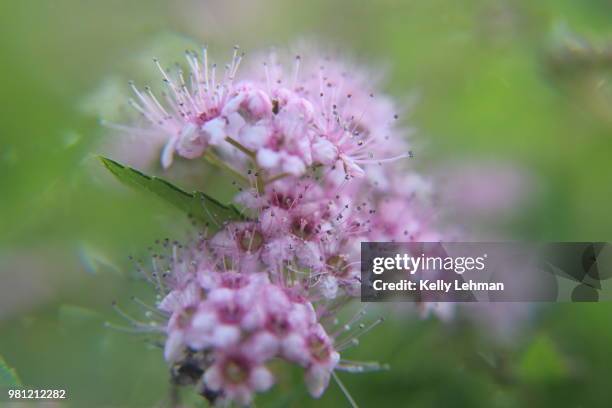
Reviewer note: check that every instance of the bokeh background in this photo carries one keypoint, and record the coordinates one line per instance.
(512, 105)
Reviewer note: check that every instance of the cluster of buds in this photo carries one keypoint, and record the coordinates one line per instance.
(239, 322)
(317, 160)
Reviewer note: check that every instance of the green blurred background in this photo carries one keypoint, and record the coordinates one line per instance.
(527, 84)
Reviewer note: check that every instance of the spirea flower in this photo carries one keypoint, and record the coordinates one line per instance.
(322, 113)
(316, 153)
(224, 328)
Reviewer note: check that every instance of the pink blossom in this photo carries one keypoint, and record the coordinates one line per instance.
(316, 155)
(188, 119)
(315, 351)
(238, 375)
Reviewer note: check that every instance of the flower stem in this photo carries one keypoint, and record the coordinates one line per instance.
(213, 159)
(277, 177)
(240, 147)
(260, 184)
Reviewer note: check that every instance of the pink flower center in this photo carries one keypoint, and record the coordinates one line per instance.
(338, 265)
(234, 281)
(302, 228)
(281, 200)
(318, 348)
(250, 240)
(230, 314)
(185, 317)
(208, 115)
(236, 370)
(278, 325)
(358, 128)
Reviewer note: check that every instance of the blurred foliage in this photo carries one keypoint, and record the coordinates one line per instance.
(8, 376)
(528, 82)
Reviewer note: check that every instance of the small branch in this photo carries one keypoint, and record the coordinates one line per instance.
(260, 184)
(240, 147)
(277, 177)
(213, 159)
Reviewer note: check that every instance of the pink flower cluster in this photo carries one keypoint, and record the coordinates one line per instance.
(245, 321)
(318, 156)
(318, 115)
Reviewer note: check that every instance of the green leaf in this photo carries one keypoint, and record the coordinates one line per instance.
(541, 362)
(8, 376)
(197, 204)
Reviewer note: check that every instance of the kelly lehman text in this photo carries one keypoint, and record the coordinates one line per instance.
(439, 285)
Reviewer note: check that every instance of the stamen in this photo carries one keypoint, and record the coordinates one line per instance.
(344, 390)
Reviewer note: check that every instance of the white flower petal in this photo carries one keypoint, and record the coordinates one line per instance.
(261, 379)
(215, 130)
(317, 379)
(168, 153)
(323, 151)
(213, 378)
(173, 349)
(225, 335)
(293, 165)
(329, 286)
(267, 158)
